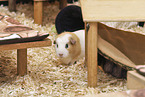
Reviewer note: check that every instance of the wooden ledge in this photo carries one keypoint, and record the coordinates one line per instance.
(43, 43)
(135, 80)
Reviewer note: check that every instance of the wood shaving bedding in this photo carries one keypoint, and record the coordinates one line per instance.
(46, 75)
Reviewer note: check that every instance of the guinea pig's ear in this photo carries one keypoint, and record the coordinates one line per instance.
(72, 41)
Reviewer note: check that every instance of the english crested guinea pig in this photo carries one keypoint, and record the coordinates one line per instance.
(70, 46)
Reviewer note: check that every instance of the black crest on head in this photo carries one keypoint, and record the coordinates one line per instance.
(69, 19)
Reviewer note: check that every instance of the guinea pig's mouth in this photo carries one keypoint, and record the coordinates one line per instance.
(61, 56)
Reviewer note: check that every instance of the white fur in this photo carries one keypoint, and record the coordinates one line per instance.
(61, 42)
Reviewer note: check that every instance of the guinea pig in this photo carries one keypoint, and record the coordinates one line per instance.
(70, 46)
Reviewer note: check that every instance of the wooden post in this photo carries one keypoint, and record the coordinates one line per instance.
(91, 49)
(22, 61)
(12, 5)
(38, 12)
(62, 4)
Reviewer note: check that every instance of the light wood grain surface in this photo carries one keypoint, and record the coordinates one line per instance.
(113, 10)
(92, 54)
(135, 80)
(22, 62)
(25, 45)
(38, 12)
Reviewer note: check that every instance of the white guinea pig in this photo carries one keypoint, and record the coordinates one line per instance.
(70, 46)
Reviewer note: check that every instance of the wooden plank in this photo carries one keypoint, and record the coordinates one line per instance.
(46, 42)
(12, 5)
(135, 80)
(92, 54)
(113, 10)
(38, 12)
(22, 62)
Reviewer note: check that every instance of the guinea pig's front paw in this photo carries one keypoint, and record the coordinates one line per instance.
(71, 63)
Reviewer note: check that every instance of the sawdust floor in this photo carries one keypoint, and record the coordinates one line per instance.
(46, 76)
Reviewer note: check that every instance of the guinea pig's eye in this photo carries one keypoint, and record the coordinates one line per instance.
(66, 46)
(57, 45)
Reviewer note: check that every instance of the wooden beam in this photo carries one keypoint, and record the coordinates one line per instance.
(38, 12)
(12, 5)
(22, 62)
(43, 43)
(92, 54)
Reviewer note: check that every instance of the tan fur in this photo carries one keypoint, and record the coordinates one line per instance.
(75, 49)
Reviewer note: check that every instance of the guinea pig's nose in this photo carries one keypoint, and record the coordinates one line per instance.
(60, 55)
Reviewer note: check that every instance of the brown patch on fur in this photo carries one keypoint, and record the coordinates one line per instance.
(74, 49)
